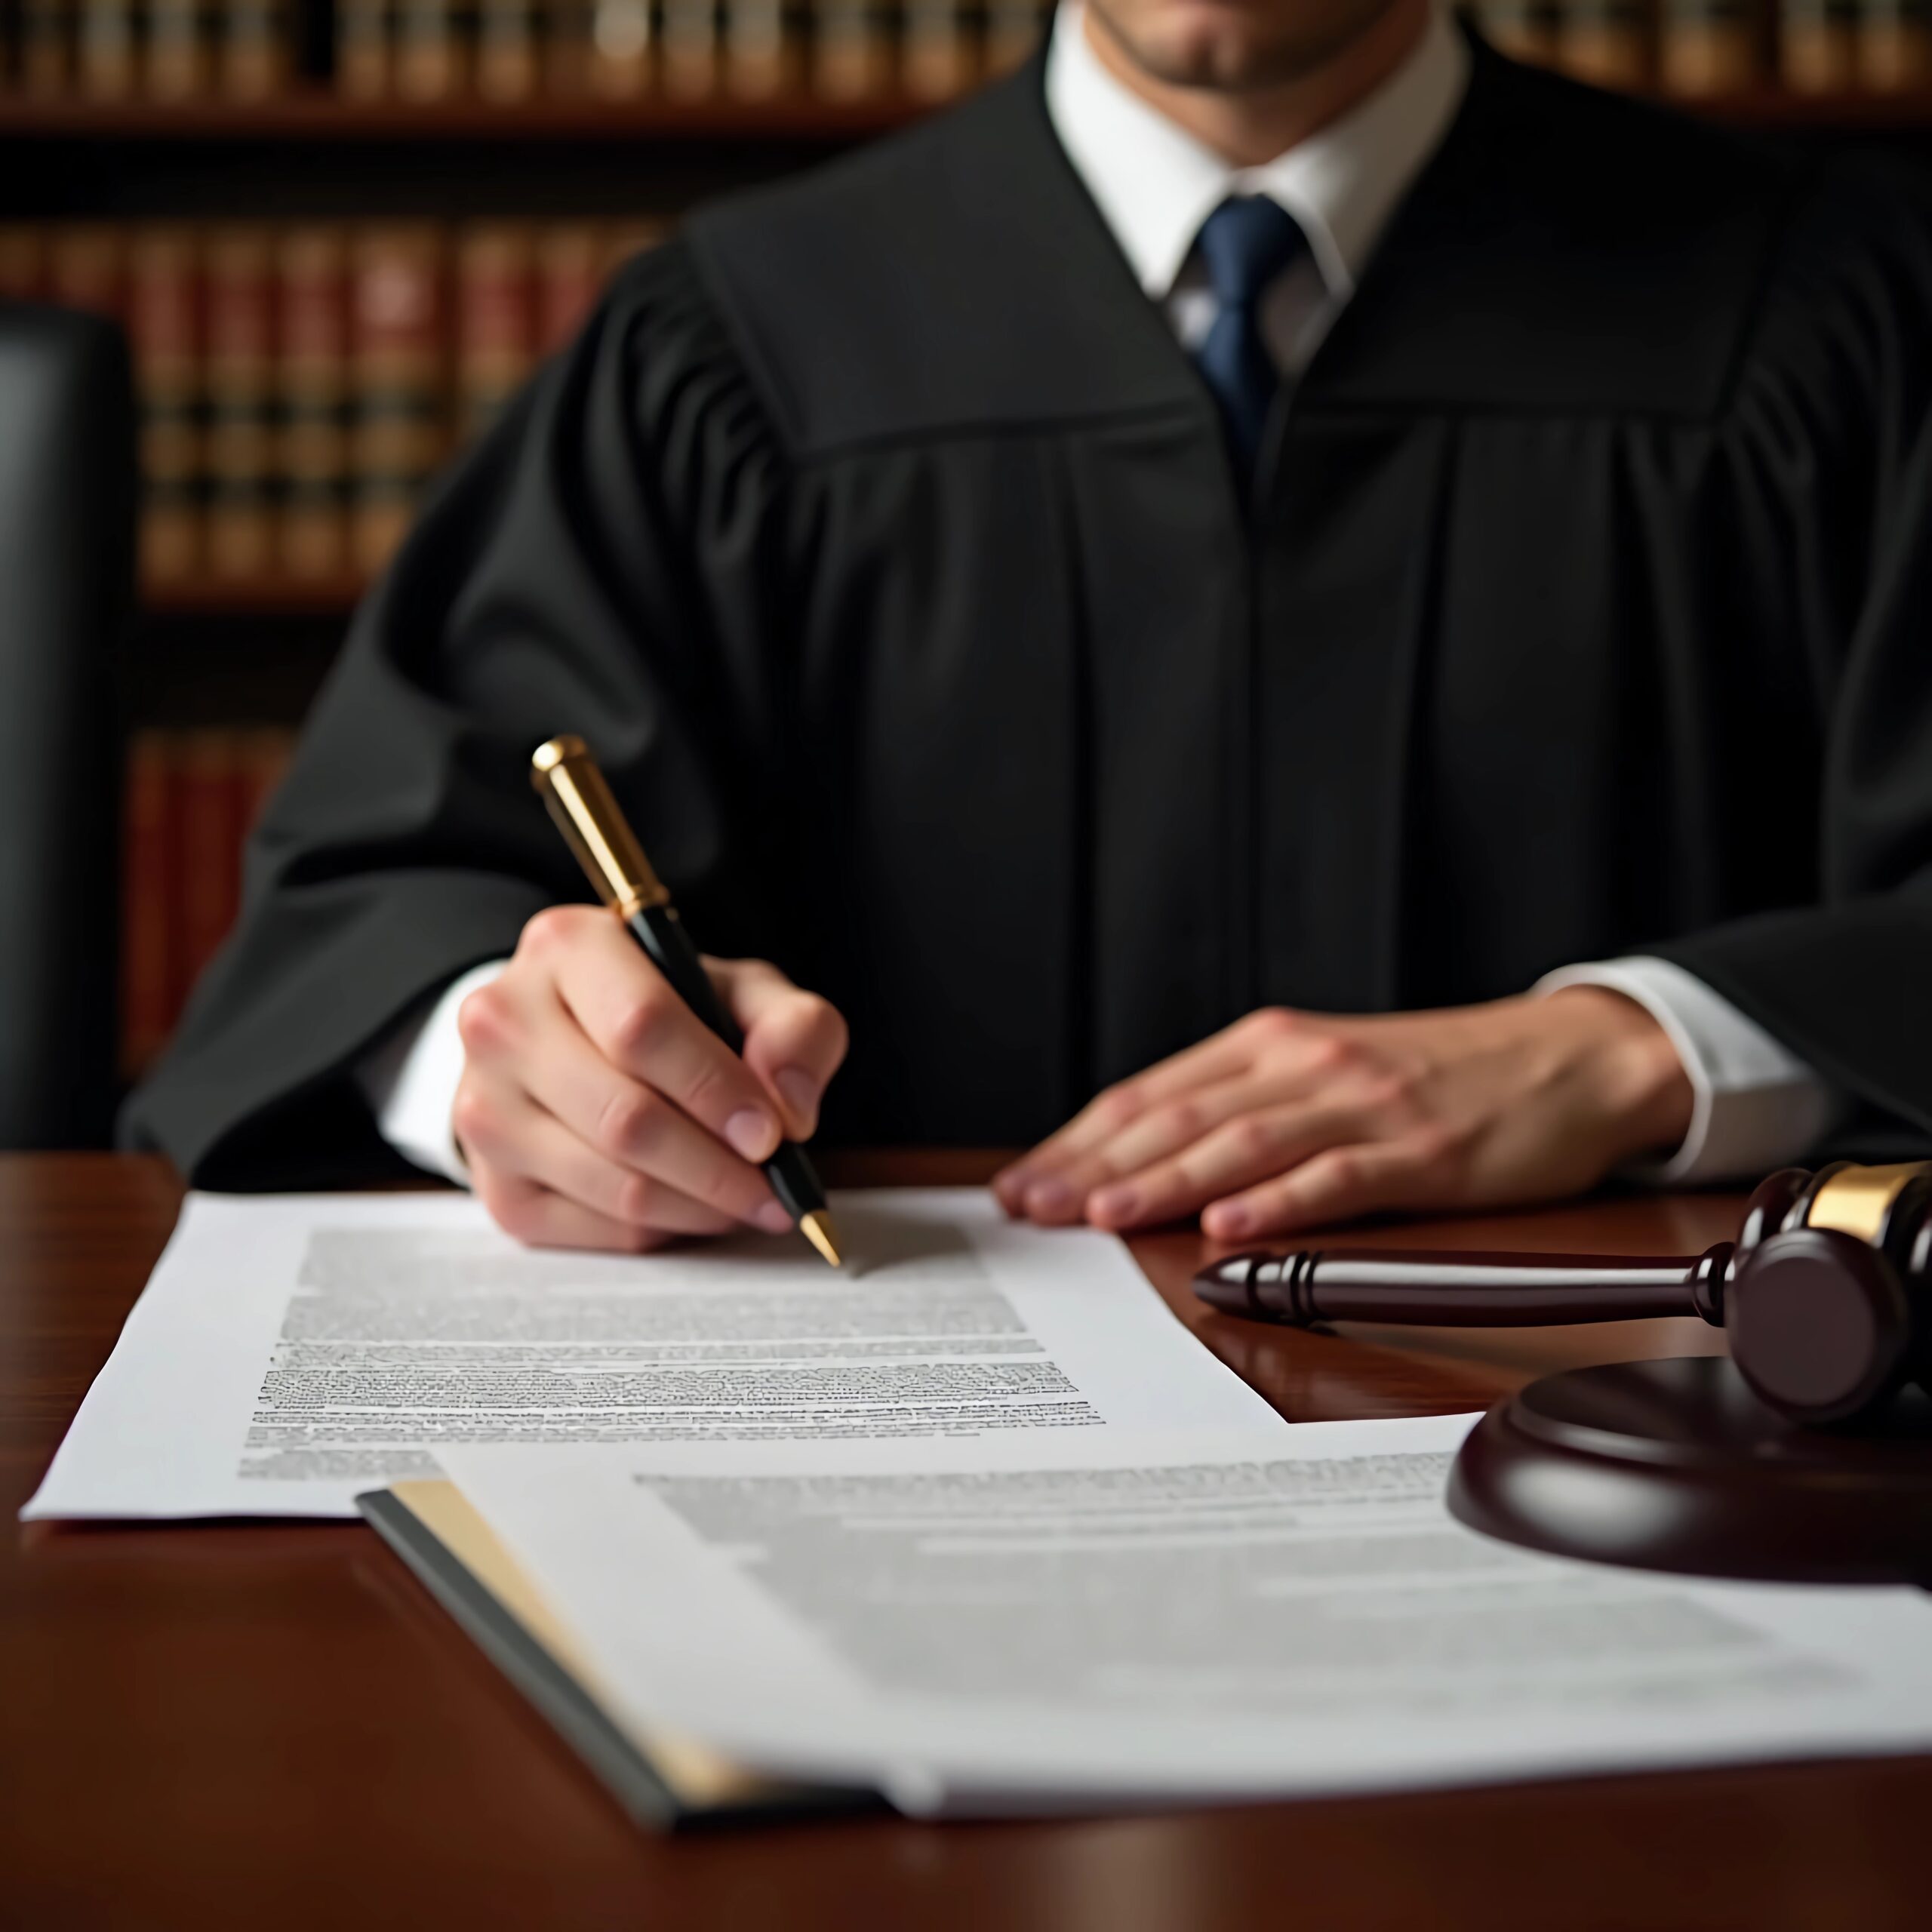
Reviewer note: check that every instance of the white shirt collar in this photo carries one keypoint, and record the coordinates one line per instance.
(1154, 184)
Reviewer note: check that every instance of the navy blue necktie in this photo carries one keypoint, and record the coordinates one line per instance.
(1244, 244)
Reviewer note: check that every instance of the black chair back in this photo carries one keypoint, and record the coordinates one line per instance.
(67, 506)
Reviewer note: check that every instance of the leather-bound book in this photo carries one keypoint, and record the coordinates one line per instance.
(86, 268)
(400, 397)
(758, 53)
(570, 278)
(364, 49)
(23, 262)
(312, 367)
(1818, 45)
(434, 49)
(1605, 42)
(852, 57)
(496, 320)
(509, 64)
(620, 47)
(164, 326)
(107, 49)
(688, 49)
(1894, 45)
(938, 55)
(1709, 48)
(179, 62)
(240, 384)
(256, 48)
(147, 901)
(44, 63)
(207, 857)
(1013, 29)
(1524, 30)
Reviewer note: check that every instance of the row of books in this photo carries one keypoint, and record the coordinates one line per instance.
(1700, 49)
(300, 386)
(191, 799)
(512, 50)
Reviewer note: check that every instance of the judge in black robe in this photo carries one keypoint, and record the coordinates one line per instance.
(884, 544)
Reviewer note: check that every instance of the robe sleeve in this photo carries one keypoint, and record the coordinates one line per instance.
(605, 563)
(1834, 426)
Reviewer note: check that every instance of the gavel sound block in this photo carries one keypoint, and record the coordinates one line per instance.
(1806, 1456)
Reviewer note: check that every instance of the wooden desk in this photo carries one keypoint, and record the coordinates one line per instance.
(273, 1725)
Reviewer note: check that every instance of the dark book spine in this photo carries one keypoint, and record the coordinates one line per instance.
(620, 47)
(241, 445)
(435, 49)
(1818, 45)
(364, 49)
(23, 262)
(496, 321)
(509, 64)
(569, 277)
(148, 899)
(1710, 48)
(44, 63)
(86, 268)
(760, 57)
(1895, 45)
(164, 325)
(312, 370)
(207, 855)
(400, 385)
(688, 61)
(257, 48)
(107, 49)
(939, 57)
(1605, 42)
(179, 64)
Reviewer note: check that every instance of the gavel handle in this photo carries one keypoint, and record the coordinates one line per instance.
(1465, 1290)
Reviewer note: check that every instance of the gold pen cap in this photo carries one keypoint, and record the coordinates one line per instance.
(575, 794)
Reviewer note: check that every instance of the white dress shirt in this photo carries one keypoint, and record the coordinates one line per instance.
(1756, 1106)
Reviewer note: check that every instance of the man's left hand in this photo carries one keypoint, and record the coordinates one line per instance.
(1287, 1119)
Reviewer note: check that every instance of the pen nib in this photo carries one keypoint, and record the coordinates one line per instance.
(817, 1229)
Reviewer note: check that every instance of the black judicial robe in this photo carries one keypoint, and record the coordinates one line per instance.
(882, 541)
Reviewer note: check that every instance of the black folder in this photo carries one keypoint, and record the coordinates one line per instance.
(666, 1782)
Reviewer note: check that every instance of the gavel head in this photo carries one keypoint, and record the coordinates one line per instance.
(1828, 1309)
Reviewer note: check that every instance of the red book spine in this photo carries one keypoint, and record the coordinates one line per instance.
(399, 435)
(496, 320)
(147, 942)
(313, 379)
(165, 323)
(570, 279)
(207, 855)
(241, 451)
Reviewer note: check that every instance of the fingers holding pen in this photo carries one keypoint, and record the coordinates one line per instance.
(794, 1042)
(630, 1013)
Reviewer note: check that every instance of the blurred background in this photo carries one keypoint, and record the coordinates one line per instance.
(335, 234)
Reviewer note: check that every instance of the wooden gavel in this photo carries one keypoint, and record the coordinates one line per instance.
(1824, 1298)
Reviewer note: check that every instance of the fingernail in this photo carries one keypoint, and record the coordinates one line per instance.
(753, 1133)
(773, 1220)
(1049, 1197)
(801, 1092)
(1229, 1223)
(1113, 1204)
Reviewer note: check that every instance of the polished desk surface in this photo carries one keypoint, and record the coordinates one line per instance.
(273, 1725)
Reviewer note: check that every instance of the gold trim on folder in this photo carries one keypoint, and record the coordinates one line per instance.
(699, 1777)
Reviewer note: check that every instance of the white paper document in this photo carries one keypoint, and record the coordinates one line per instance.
(1023, 1621)
(292, 1351)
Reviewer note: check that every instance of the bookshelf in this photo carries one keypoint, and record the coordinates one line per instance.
(498, 130)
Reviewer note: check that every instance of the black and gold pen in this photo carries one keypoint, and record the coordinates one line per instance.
(580, 802)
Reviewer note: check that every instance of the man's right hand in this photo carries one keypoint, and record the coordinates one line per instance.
(596, 1110)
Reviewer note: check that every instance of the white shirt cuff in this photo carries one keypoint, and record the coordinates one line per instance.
(410, 1080)
(1755, 1106)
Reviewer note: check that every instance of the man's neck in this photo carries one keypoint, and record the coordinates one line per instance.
(1249, 126)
